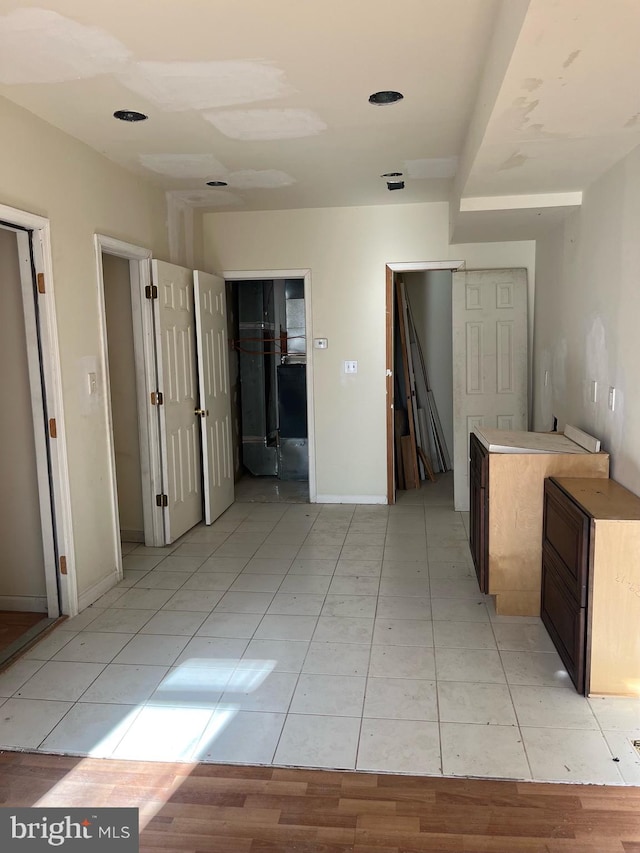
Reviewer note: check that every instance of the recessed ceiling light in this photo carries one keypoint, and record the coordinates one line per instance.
(391, 175)
(381, 99)
(130, 115)
(217, 184)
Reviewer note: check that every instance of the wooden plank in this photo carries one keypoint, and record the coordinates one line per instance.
(582, 438)
(408, 446)
(427, 464)
(411, 450)
(400, 428)
(426, 398)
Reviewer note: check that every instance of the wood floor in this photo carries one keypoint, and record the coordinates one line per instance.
(209, 808)
(14, 623)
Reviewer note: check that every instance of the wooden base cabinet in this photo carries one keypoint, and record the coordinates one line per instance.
(591, 582)
(506, 500)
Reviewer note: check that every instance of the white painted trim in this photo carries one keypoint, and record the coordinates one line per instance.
(139, 270)
(352, 499)
(24, 603)
(248, 275)
(38, 412)
(520, 202)
(91, 595)
(422, 266)
(60, 485)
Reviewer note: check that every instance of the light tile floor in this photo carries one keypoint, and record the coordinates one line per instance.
(326, 636)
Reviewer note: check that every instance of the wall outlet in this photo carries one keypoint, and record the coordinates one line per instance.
(351, 367)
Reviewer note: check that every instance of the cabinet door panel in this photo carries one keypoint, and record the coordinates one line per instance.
(563, 619)
(566, 531)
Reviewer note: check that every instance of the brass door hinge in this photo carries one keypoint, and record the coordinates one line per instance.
(162, 500)
(40, 282)
(151, 291)
(157, 398)
(53, 428)
(63, 565)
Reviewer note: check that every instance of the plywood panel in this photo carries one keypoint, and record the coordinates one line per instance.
(615, 609)
(516, 492)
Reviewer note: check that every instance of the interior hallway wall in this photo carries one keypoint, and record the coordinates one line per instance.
(429, 293)
(124, 398)
(21, 554)
(587, 319)
(346, 250)
(46, 172)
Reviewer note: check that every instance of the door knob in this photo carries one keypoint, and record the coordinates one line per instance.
(201, 412)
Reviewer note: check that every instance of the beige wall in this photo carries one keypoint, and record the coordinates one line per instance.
(124, 400)
(346, 250)
(21, 557)
(588, 319)
(46, 172)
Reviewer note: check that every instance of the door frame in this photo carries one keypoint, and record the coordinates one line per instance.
(390, 269)
(146, 382)
(305, 274)
(51, 453)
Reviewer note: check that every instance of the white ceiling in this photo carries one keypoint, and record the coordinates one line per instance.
(272, 97)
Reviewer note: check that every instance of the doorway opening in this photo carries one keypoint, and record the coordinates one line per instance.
(425, 312)
(271, 393)
(30, 588)
(128, 368)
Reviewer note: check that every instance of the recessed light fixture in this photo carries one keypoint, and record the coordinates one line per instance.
(130, 115)
(391, 175)
(381, 99)
(217, 184)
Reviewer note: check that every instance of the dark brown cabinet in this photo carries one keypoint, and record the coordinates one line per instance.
(479, 511)
(591, 582)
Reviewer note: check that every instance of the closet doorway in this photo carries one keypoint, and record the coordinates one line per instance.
(29, 582)
(271, 385)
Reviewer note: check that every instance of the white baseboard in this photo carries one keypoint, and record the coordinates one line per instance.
(94, 592)
(24, 603)
(351, 499)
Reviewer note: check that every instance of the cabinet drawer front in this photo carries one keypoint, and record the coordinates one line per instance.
(565, 622)
(566, 531)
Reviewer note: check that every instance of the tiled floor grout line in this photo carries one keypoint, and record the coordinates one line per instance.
(355, 519)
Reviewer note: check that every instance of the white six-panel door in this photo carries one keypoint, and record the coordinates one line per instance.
(177, 379)
(215, 404)
(490, 386)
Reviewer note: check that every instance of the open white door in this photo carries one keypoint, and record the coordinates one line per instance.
(213, 385)
(177, 379)
(489, 361)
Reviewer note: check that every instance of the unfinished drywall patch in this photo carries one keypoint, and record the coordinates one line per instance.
(431, 167)
(259, 179)
(204, 198)
(177, 86)
(267, 124)
(41, 46)
(184, 165)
